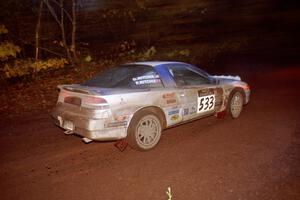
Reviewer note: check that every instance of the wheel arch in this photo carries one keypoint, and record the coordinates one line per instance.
(238, 89)
(228, 105)
(155, 109)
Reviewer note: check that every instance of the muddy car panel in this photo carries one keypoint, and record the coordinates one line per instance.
(105, 113)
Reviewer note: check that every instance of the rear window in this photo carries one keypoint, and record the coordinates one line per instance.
(126, 76)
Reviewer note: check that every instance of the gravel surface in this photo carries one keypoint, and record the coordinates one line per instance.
(256, 156)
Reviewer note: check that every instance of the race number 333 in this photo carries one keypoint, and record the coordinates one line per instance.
(206, 103)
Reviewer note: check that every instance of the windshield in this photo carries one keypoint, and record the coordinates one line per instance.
(201, 71)
(126, 76)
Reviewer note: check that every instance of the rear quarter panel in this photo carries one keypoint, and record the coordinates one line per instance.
(124, 106)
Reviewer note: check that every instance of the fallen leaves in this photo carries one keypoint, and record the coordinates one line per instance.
(41, 93)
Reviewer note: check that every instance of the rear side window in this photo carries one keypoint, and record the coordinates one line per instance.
(186, 77)
(127, 76)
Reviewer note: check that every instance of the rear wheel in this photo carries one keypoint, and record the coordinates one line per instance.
(236, 102)
(144, 130)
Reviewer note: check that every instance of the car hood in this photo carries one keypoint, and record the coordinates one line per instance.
(226, 79)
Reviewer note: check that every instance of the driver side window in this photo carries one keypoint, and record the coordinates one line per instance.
(186, 77)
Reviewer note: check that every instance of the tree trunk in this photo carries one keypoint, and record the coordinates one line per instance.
(74, 27)
(37, 31)
(63, 34)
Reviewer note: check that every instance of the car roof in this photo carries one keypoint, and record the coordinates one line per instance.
(156, 63)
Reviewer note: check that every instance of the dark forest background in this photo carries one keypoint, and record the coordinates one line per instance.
(205, 29)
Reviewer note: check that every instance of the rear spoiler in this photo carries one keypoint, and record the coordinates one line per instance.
(72, 89)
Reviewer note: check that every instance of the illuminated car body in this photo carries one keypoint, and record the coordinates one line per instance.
(103, 107)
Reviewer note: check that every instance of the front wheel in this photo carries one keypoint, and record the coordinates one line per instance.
(144, 130)
(236, 102)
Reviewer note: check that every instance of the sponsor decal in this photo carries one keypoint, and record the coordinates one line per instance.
(169, 95)
(206, 100)
(172, 112)
(175, 117)
(186, 111)
(206, 103)
(147, 81)
(219, 91)
(116, 124)
(206, 92)
(171, 101)
(121, 118)
(153, 76)
(193, 110)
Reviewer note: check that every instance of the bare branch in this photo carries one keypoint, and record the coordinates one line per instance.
(53, 13)
(65, 11)
(63, 34)
(50, 51)
(31, 44)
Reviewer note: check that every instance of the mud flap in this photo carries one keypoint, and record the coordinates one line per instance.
(221, 115)
(121, 144)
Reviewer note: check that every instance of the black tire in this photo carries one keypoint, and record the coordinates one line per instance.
(235, 103)
(144, 131)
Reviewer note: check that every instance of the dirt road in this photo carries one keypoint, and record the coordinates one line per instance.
(256, 156)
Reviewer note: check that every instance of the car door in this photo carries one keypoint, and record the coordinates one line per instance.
(199, 95)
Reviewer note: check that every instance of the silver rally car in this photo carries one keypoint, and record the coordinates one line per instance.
(137, 101)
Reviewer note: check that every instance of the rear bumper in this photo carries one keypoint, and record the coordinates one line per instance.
(91, 124)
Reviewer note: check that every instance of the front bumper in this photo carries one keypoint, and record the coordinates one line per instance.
(88, 123)
(247, 95)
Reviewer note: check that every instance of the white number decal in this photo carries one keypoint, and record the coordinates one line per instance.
(206, 103)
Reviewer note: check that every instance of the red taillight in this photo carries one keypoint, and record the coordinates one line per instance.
(73, 100)
(94, 100)
(94, 103)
